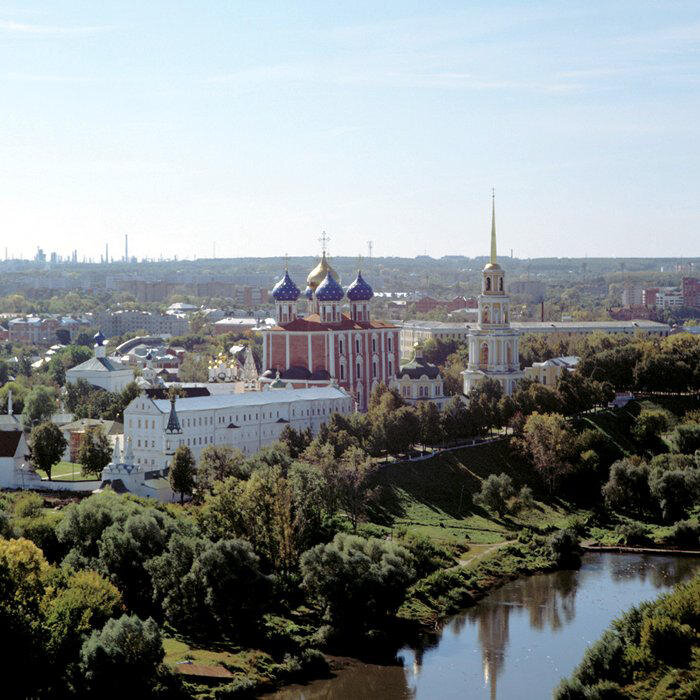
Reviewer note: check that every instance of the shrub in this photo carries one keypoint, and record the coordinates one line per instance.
(28, 505)
(495, 492)
(667, 639)
(427, 556)
(675, 491)
(564, 549)
(685, 439)
(633, 534)
(123, 658)
(685, 533)
(603, 660)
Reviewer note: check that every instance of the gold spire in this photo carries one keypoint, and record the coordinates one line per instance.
(493, 227)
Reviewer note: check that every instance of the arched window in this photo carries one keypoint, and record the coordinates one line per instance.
(484, 354)
(359, 373)
(488, 284)
(340, 346)
(485, 314)
(500, 284)
(342, 371)
(509, 354)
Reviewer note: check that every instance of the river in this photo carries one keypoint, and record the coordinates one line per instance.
(517, 642)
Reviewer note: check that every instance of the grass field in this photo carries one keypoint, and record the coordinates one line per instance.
(66, 471)
(434, 497)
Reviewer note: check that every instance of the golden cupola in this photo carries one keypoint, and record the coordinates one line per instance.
(319, 273)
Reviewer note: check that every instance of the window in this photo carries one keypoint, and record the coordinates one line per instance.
(357, 345)
(374, 369)
(342, 372)
(340, 347)
(359, 373)
(374, 345)
(139, 423)
(389, 343)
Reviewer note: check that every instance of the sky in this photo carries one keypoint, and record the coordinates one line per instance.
(250, 127)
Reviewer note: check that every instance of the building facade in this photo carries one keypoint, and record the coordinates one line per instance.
(154, 429)
(418, 380)
(549, 371)
(493, 343)
(120, 322)
(329, 344)
(101, 371)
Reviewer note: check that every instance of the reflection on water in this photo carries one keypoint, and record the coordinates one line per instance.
(519, 641)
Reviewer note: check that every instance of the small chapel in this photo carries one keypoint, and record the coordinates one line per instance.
(493, 344)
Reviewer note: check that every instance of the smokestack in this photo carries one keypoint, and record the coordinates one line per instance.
(107, 253)
(126, 247)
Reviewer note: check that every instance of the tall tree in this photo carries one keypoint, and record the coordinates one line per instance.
(38, 406)
(95, 451)
(182, 472)
(47, 446)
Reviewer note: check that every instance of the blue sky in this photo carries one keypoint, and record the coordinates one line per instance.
(256, 125)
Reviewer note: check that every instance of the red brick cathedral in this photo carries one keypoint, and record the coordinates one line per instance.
(336, 341)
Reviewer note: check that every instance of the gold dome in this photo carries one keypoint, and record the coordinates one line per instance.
(492, 266)
(318, 274)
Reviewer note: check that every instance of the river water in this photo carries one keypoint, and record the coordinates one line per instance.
(518, 642)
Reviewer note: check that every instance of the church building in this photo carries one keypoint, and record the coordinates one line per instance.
(336, 342)
(493, 344)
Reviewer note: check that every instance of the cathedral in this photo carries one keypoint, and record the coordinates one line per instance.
(336, 342)
(493, 344)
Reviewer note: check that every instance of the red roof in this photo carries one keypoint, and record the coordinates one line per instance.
(313, 323)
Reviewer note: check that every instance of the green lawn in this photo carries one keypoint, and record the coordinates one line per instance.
(66, 471)
(434, 496)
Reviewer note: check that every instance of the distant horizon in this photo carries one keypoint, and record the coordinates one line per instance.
(252, 128)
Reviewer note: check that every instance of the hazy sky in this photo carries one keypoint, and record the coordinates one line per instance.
(257, 124)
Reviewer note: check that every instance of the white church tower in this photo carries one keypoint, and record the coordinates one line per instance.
(493, 344)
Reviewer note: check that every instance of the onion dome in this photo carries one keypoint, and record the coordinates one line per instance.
(359, 290)
(285, 289)
(329, 289)
(98, 338)
(309, 293)
(320, 272)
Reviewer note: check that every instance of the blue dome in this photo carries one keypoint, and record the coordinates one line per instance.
(359, 290)
(329, 290)
(285, 289)
(98, 338)
(309, 293)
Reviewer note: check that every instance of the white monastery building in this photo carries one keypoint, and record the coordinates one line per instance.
(493, 343)
(154, 429)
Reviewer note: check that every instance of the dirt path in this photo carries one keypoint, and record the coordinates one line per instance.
(479, 551)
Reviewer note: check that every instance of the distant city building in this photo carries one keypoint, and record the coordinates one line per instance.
(493, 343)
(632, 295)
(427, 304)
(534, 290)
(101, 371)
(669, 298)
(120, 322)
(690, 286)
(549, 371)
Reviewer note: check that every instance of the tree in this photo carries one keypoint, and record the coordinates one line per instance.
(4, 372)
(627, 488)
(123, 659)
(47, 446)
(23, 570)
(430, 431)
(218, 463)
(649, 425)
(182, 472)
(295, 440)
(685, 439)
(194, 368)
(95, 451)
(38, 406)
(83, 604)
(676, 491)
(207, 586)
(400, 429)
(547, 441)
(357, 581)
(353, 481)
(495, 492)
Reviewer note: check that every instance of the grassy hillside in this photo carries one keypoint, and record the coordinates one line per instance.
(434, 496)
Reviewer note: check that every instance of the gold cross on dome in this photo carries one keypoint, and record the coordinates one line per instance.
(359, 262)
(324, 238)
(286, 262)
